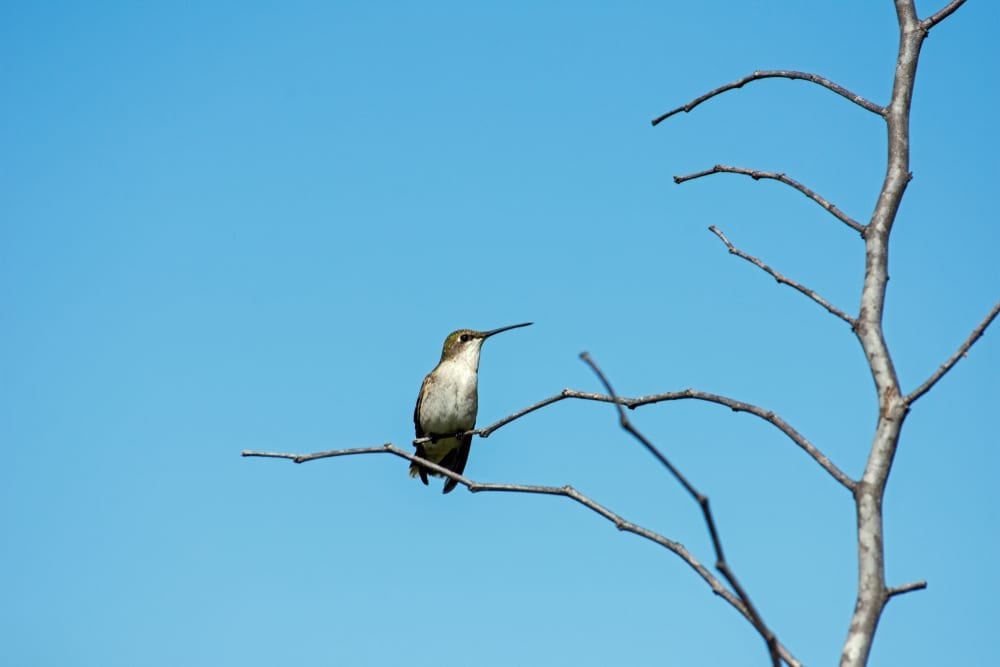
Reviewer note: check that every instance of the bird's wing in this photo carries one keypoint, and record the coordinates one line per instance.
(416, 410)
(416, 469)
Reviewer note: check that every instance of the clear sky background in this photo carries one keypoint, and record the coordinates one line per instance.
(232, 225)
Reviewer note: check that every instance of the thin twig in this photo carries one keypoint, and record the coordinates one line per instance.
(782, 178)
(773, 74)
(905, 588)
(631, 403)
(566, 491)
(720, 560)
(941, 15)
(733, 250)
(959, 353)
(566, 393)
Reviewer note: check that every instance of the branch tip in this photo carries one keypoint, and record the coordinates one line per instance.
(905, 588)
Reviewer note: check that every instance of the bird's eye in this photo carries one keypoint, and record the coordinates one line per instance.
(465, 338)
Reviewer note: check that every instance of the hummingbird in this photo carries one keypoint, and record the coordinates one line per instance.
(448, 403)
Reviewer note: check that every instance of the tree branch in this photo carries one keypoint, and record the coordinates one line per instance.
(941, 15)
(757, 175)
(772, 74)
(566, 491)
(631, 403)
(905, 588)
(961, 352)
(720, 560)
(767, 415)
(870, 491)
(733, 250)
(565, 393)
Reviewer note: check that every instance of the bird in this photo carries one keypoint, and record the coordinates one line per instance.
(448, 402)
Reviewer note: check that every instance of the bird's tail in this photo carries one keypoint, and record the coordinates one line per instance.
(454, 459)
(417, 469)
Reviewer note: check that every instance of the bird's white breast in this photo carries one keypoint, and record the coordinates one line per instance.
(450, 404)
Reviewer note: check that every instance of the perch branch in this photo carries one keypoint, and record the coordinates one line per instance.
(733, 250)
(631, 403)
(566, 491)
(757, 175)
(720, 560)
(773, 74)
(962, 351)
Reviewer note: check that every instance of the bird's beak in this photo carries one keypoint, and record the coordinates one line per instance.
(487, 334)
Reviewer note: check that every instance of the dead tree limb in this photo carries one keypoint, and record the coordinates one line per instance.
(757, 175)
(776, 74)
(733, 250)
(872, 591)
(717, 586)
(961, 352)
(702, 500)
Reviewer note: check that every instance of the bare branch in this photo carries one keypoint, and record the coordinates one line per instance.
(566, 393)
(566, 491)
(702, 500)
(757, 175)
(961, 352)
(302, 458)
(906, 588)
(941, 15)
(773, 74)
(767, 415)
(733, 250)
(631, 403)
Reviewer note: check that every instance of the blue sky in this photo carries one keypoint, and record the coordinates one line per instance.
(242, 225)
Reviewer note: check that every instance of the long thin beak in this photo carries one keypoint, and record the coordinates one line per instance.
(487, 334)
